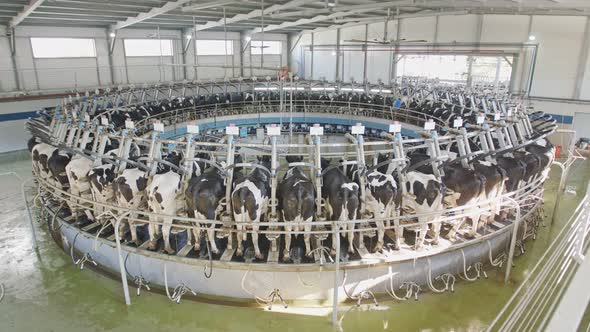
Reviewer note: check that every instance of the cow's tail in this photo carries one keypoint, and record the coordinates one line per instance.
(300, 201)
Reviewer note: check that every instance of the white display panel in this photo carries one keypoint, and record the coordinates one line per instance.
(232, 130)
(192, 129)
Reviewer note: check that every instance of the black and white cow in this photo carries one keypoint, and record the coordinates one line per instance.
(515, 171)
(41, 153)
(250, 202)
(297, 204)
(77, 172)
(465, 188)
(162, 192)
(532, 162)
(57, 168)
(545, 151)
(101, 180)
(383, 200)
(495, 177)
(422, 194)
(342, 201)
(203, 195)
(129, 192)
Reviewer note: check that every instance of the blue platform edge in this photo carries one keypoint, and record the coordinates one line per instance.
(266, 120)
(563, 119)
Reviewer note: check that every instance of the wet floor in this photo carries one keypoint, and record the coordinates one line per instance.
(45, 291)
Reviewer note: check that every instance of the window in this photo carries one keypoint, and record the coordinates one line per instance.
(258, 47)
(449, 68)
(489, 69)
(148, 47)
(63, 48)
(214, 47)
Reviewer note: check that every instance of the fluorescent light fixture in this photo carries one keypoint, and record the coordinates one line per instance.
(270, 88)
(323, 89)
(188, 36)
(382, 91)
(334, 53)
(355, 89)
(112, 34)
(288, 88)
(248, 38)
(532, 37)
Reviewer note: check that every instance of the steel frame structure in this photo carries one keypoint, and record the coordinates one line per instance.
(70, 132)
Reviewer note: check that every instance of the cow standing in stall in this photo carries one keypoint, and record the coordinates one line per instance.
(422, 194)
(250, 202)
(465, 187)
(203, 197)
(383, 200)
(297, 204)
(101, 180)
(496, 178)
(57, 164)
(342, 201)
(545, 151)
(162, 194)
(41, 153)
(129, 192)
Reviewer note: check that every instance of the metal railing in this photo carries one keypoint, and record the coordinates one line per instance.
(532, 305)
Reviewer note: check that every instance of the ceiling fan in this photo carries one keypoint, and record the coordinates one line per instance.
(384, 41)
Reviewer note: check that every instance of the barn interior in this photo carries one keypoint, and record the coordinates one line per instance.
(294, 58)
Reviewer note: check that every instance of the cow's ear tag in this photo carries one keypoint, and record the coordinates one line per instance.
(496, 116)
(104, 121)
(458, 122)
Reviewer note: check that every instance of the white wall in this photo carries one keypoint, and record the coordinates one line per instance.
(83, 73)
(41, 76)
(558, 62)
(13, 135)
(560, 40)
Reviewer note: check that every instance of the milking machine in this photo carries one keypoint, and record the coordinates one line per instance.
(496, 118)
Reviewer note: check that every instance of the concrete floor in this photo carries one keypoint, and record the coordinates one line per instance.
(46, 292)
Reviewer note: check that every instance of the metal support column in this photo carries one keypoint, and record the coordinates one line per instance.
(12, 43)
(337, 75)
(583, 59)
(311, 57)
(365, 53)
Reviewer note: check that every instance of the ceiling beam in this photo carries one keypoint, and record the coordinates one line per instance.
(25, 13)
(358, 9)
(150, 14)
(342, 8)
(303, 21)
(363, 21)
(253, 14)
(206, 5)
